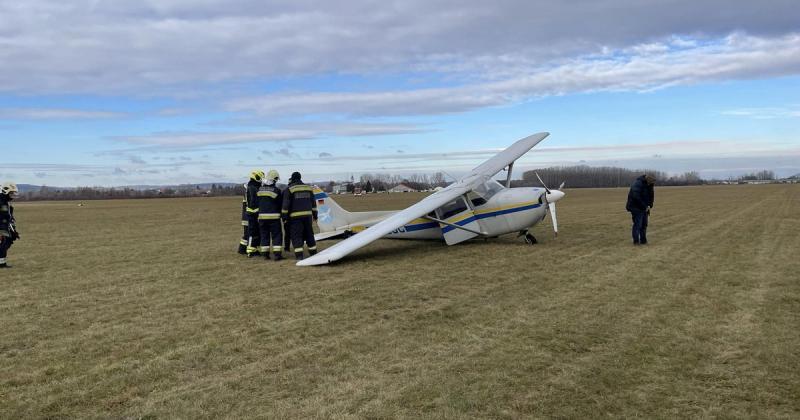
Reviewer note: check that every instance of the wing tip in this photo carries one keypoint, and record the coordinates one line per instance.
(315, 260)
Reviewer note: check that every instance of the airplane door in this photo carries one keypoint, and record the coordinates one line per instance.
(457, 212)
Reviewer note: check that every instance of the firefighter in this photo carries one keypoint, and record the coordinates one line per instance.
(251, 209)
(299, 207)
(8, 227)
(270, 200)
(245, 229)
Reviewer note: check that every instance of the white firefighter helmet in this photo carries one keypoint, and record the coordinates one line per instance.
(273, 175)
(9, 188)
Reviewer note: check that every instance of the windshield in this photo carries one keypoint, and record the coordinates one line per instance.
(488, 189)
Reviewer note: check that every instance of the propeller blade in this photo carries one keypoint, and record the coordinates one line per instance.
(542, 182)
(552, 207)
(562, 185)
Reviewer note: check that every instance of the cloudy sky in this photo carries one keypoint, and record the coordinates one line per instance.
(101, 92)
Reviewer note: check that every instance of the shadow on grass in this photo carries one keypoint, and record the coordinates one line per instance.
(415, 250)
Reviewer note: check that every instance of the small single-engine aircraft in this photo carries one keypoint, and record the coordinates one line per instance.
(474, 206)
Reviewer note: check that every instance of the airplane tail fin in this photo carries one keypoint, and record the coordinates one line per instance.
(331, 215)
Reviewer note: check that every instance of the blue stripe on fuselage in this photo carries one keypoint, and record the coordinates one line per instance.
(490, 214)
(421, 226)
(431, 225)
(506, 211)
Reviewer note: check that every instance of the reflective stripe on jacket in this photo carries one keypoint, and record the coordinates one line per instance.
(298, 201)
(270, 200)
(251, 196)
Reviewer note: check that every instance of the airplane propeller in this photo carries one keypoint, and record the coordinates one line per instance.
(542, 182)
(551, 196)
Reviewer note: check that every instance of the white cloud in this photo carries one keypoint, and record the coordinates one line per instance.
(766, 113)
(207, 139)
(307, 131)
(91, 46)
(55, 114)
(736, 57)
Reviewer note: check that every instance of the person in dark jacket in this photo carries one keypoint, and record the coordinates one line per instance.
(640, 200)
(8, 227)
(251, 208)
(270, 202)
(299, 207)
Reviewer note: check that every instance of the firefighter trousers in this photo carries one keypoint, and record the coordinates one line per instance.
(245, 237)
(301, 230)
(253, 234)
(271, 229)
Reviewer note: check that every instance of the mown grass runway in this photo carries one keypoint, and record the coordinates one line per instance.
(141, 308)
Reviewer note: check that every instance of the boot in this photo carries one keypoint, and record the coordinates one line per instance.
(277, 257)
(312, 252)
(5, 265)
(242, 249)
(266, 255)
(298, 256)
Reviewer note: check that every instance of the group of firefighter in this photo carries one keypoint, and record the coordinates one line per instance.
(273, 217)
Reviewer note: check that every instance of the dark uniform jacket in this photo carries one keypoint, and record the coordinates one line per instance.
(640, 196)
(251, 197)
(7, 227)
(270, 201)
(298, 201)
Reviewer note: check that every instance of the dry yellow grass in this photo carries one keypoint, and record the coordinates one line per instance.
(142, 309)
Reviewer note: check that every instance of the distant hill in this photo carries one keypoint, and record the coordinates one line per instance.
(202, 186)
(44, 192)
(23, 188)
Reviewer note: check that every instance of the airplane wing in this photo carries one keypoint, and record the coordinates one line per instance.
(477, 176)
(508, 156)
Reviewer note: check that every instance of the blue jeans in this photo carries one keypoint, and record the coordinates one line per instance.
(639, 230)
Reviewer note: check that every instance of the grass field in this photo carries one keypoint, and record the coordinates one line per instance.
(142, 308)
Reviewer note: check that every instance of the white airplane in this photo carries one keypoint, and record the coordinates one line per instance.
(474, 206)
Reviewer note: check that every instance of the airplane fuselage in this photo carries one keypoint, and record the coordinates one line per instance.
(509, 210)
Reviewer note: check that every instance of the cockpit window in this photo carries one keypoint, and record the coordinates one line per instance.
(476, 199)
(488, 189)
(452, 208)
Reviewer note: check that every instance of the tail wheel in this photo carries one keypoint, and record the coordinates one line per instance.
(530, 239)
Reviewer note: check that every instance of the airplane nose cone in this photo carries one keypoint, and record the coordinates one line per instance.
(554, 195)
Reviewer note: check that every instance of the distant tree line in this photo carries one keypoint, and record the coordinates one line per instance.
(758, 176)
(574, 176)
(379, 182)
(103, 193)
(600, 177)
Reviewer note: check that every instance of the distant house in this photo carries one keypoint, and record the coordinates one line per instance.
(757, 181)
(339, 188)
(401, 187)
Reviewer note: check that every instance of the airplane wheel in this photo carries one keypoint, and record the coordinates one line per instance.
(530, 239)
